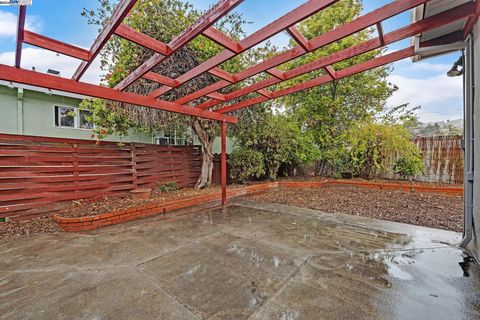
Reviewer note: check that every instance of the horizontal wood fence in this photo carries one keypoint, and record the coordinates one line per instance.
(39, 175)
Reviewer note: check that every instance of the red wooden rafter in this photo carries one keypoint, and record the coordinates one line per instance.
(343, 31)
(55, 45)
(430, 23)
(361, 67)
(204, 26)
(121, 11)
(207, 20)
(233, 47)
(288, 20)
(57, 83)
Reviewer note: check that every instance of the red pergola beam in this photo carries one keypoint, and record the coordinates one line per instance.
(299, 38)
(121, 11)
(472, 20)
(152, 76)
(141, 39)
(365, 21)
(380, 33)
(40, 41)
(304, 11)
(430, 23)
(222, 74)
(53, 82)
(207, 20)
(22, 11)
(331, 72)
(361, 67)
(222, 39)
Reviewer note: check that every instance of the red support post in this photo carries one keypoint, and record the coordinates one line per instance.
(224, 163)
(22, 11)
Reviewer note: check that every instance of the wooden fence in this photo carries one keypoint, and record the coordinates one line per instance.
(39, 175)
(443, 158)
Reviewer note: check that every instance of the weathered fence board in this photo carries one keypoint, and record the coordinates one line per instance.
(443, 158)
(38, 174)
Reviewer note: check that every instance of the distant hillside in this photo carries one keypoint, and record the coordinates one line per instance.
(442, 128)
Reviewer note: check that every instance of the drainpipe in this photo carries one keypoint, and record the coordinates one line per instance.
(469, 96)
(19, 111)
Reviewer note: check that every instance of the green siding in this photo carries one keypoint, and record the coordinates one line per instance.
(37, 118)
(8, 110)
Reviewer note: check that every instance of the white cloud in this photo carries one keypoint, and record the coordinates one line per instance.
(43, 59)
(8, 24)
(439, 96)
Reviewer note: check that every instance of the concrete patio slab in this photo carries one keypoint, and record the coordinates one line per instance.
(247, 261)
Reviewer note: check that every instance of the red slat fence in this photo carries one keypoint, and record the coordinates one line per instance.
(39, 174)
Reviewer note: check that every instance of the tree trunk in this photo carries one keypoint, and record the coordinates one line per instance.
(206, 140)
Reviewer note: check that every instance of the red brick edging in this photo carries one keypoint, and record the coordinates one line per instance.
(106, 219)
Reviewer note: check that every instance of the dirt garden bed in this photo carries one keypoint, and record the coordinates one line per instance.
(46, 224)
(423, 209)
(420, 208)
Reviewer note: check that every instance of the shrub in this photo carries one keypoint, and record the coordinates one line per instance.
(373, 145)
(246, 163)
(168, 186)
(280, 142)
(409, 167)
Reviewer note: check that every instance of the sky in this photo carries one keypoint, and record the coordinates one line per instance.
(422, 83)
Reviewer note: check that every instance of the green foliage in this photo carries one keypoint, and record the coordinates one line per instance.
(327, 111)
(409, 167)
(168, 186)
(107, 121)
(246, 163)
(373, 145)
(279, 139)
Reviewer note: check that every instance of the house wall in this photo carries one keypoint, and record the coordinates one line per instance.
(27, 112)
(475, 243)
(31, 113)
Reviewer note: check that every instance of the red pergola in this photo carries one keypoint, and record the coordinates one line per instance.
(205, 26)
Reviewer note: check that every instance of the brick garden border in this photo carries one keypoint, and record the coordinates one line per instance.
(106, 219)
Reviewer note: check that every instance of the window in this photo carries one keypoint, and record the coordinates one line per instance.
(83, 119)
(64, 117)
(70, 117)
(172, 136)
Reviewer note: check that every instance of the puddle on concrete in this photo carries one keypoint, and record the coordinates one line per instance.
(244, 262)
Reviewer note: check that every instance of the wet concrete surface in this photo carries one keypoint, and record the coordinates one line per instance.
(248, 261)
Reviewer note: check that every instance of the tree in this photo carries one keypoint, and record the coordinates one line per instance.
(161, 20)
(327, 111)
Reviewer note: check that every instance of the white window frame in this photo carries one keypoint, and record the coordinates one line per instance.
(76, 119)
(173, 138)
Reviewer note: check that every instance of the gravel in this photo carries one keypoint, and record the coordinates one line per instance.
(24, 228)
(423, 209)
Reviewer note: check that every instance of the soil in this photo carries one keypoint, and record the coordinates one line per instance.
(429, 210)
(84, 208)
(437, 211)
(25, 228)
